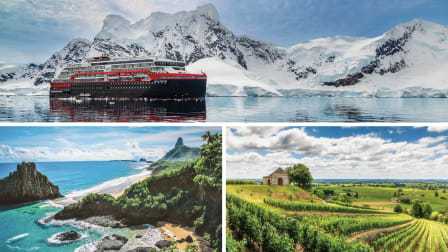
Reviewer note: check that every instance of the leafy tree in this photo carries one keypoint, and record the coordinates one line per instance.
(209, 165)
(319, 193)
(436, 194)
(328, 192)
(417, 209)
(405, 201)
(300, 175)
(427, 210)
(344, 198)
(398, 209)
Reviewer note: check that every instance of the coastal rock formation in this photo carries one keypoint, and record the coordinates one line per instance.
(93, 207)
(163, 244)
(113, 242)
(26, 184)
(68, 236)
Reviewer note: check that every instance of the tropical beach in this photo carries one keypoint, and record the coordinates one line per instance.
(56, 214)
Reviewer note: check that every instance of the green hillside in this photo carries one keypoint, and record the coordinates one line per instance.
(289, 218)
(380, 196)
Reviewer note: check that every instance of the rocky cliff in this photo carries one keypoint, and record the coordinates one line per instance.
(26, 184)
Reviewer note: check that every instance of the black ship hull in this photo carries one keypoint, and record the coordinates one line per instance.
(162, 89)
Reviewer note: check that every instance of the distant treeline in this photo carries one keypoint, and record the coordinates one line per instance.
(240, 182)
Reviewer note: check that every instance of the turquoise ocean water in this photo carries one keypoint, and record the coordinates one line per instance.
(21, 229)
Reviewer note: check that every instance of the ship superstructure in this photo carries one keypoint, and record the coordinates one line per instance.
(104, 76)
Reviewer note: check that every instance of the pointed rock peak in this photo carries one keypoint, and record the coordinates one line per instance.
(180, 142)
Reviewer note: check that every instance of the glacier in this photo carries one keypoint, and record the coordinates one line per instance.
(410, 60)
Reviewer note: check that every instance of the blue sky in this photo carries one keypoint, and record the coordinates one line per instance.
(93, 143)
(31, 30)
(340, 152)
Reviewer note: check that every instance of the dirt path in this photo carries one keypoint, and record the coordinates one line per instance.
(434, 234)
(354, 236)
(429, 240)
(376, 205)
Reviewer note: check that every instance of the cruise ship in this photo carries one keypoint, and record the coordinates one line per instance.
(139, 77)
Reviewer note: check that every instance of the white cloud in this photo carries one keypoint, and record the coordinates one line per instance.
(85, 17)
(70, 153)
(361, 156)
(437, 129)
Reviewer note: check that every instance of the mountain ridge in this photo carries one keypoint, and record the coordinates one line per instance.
(394, 64)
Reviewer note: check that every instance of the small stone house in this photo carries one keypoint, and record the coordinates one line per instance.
(278, 177)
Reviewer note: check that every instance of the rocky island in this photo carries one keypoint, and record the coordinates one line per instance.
(26, 184)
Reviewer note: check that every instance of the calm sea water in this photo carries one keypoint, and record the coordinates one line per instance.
(225, 109)
(22, 220)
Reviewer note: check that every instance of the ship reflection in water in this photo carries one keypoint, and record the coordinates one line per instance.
(128, 110)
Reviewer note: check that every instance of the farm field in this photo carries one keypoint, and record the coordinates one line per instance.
(289, 218)
(379, 196)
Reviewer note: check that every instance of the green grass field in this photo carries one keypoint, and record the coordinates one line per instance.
(256, 193)
(380, 197)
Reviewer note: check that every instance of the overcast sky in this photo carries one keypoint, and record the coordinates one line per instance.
(340, 152)
(19, 144)
(31, 30)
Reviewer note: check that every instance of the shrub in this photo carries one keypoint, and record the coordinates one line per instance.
(398, 209)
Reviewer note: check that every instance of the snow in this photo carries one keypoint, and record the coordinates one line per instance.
(23, 87)
(4, 65)
(226, 73)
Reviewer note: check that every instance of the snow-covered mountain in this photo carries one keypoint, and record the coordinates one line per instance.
(407, 61)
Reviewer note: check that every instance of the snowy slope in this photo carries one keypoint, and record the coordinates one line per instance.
(4, 65)
(32, 79)
(407, 61)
